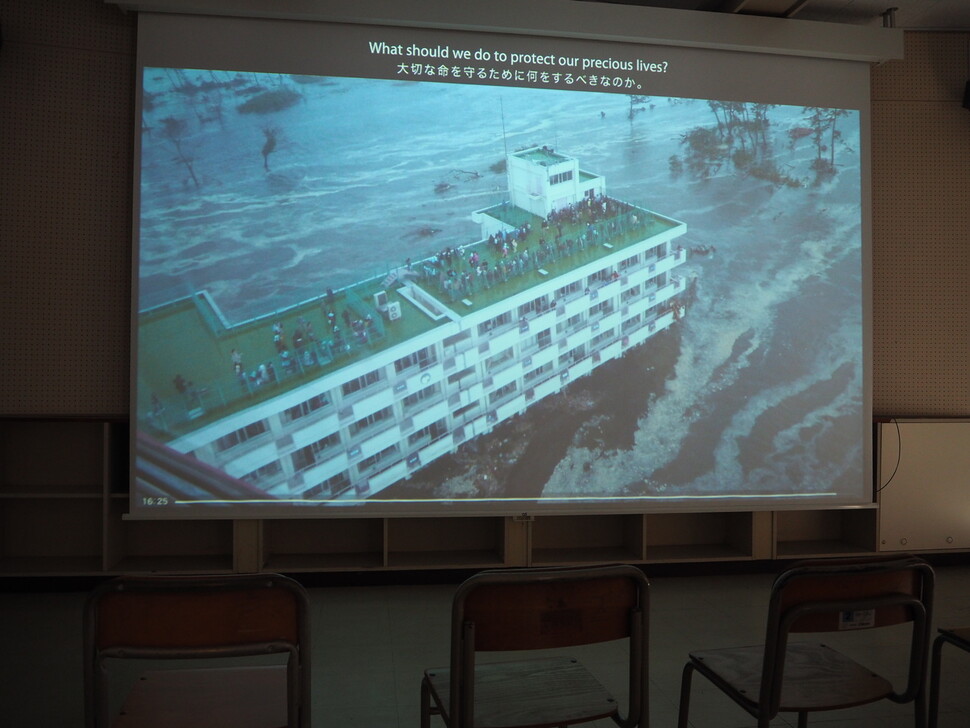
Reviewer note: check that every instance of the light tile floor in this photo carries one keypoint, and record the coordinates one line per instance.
(371, 644)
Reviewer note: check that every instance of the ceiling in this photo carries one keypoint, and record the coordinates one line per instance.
(925, 15)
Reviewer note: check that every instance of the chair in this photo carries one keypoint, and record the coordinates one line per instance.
(959, 637)
(184, 617)
(825, 596)
(540, 609)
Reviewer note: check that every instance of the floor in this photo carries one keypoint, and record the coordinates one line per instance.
(371, 643)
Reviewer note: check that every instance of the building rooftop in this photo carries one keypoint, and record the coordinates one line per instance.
(542, 155)
(208, 347)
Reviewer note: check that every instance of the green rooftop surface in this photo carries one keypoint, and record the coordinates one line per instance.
(188, 337)
(541, 155)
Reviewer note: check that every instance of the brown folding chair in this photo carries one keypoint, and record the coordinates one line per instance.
(187, 617)
(540, 609)
(825, 596)
(959, 637)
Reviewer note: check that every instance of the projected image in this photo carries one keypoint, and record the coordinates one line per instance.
(391, 294)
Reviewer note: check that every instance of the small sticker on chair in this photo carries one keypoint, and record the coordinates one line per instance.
(857, 619)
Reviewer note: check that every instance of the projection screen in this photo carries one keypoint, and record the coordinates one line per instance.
(409, 270)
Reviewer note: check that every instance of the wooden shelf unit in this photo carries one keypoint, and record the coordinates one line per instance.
(64, 497)
(821, 533)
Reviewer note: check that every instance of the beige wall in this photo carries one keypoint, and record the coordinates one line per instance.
(66, 109)
(921, 229)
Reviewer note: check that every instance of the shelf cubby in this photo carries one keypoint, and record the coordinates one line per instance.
(720, 536)
(50, 535)
(323, 544)
(822, 533)
(437, 543)
(609, 538)
(158, 546)
(51, 458)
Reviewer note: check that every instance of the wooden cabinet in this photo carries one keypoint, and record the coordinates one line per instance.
(64, 501)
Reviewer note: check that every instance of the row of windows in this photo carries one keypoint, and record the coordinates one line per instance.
(555, 179)
(428, 355)
(305, 457)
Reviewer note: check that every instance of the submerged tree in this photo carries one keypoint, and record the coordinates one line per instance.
(636, 99)
(739, 136)
(174, 129)
(705, 151)
(823, 125)
(834, 134)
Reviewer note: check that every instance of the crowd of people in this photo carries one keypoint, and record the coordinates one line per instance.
(460, 271)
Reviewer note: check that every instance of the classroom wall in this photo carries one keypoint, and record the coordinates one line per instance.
(66, 114)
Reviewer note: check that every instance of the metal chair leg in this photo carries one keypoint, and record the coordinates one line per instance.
(934, 708)
(425, 703)
(685, 682)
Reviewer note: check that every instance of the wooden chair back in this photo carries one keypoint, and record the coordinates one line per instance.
(187, 617)
(545, 608)
(549, 613)
(833, 595)
(842, 594)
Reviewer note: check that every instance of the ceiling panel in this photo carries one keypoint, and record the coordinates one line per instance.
(951, 15)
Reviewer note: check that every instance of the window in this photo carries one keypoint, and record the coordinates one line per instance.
(538, 372)
(601, 339)
(456, 339)
(355, 385)
(422, 358)
(631, 323)
(264, 472)
(601, 309)
(240, 436)
(629, 294)
(330, 488)
(307, 456)
(502, 392)
(570, 324)
(544, 338)
(431, 432)
(600, 276)
(537, 306)
(458, 376)
(371, 461)
(556, 179)
(412, 399)
(571, 357)
(572, 288)
(462, 411)
(492, 324)
(494, 362)
(305, 408)
(629, 262)
(370, 420)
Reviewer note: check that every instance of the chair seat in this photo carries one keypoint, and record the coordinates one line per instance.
(529, 693)
(959, 637)
(236, 697)
(816, 677)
